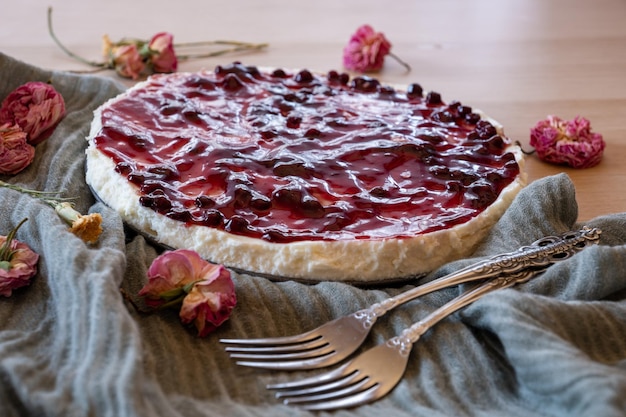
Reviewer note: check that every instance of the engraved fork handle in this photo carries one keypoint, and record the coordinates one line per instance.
(541, 253)
(410, 335)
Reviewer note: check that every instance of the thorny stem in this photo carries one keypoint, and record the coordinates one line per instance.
(525, 152)
(47, 197)
(5, 250)
(240, 46)
(397, 58)
(99, 65)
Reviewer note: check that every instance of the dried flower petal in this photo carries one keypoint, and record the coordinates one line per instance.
(205, 291)
(161, 51)
(15, 153)
(567, 142)
(366, 50)
(87, 227)
(18, 263)
(36, 107)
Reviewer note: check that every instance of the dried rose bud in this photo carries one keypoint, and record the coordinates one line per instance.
(366, 50)
(161, 53)
(124, 58)
(36, 107)
(18, 263)
(567, 142)
(204, 291)
(15, 153)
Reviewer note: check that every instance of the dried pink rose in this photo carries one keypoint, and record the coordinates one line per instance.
(124, 58)
(204, 290)
(161, 52)
(36, 107)
(210, 301)
(366, 50)
(567, 142)
(18, 263)
(15, 152)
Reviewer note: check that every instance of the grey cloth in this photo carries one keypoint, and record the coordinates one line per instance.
(70, 345)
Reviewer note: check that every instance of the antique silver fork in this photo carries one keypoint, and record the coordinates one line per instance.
(337, 339)
(374, 373)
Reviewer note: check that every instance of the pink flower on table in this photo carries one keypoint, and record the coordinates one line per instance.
(162, 55)
(124, 58)
(15, 152)
(36, 107)
(567, 142)
(18, 263)
(204, 290)
(366, 50)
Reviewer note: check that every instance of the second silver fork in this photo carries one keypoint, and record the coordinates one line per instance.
(375, 372)
(337, 339)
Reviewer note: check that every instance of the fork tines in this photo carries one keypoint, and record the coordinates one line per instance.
(344, 387)
(285, 353)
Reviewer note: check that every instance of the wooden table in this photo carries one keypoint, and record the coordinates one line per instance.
(518, 60)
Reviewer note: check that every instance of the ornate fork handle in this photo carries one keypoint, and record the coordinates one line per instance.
(409, 336)
(539, 254)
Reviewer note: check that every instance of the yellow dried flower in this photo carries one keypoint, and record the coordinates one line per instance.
(87, 227)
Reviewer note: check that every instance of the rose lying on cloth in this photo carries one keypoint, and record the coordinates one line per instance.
(15, 152)
(567, 142)
(36, 107)
(204, 292)
(18, 263)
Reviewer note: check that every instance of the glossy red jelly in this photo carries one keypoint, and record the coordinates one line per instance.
(296, 156)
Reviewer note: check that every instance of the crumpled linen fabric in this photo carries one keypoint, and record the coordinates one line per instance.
(72, 345)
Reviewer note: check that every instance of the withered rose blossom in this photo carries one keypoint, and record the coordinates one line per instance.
(210, 301)
(567, 142)
(15, 152)
(366, 50)
(204, 292)
(18, 263)
(124, 58)
(36, 107)
(161, 51)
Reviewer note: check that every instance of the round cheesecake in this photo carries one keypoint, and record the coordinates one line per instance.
(295, 174)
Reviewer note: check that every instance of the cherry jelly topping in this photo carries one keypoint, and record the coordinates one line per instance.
(294, 156)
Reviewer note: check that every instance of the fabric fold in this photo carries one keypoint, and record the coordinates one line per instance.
(72, 345)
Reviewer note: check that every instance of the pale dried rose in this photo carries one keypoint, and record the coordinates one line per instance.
(366, 50)
(36, 107)
(210, 301)
(18, 263)
(567, 142)
(169, 273)
(204, 292)
(124, 58)
(15, 153)
(161, 51)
